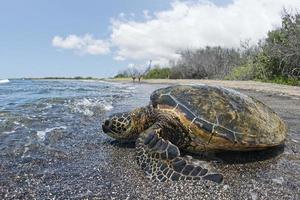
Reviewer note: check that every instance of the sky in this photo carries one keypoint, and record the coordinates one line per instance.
(40, 38)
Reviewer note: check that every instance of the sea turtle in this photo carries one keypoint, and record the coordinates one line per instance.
(195, 119)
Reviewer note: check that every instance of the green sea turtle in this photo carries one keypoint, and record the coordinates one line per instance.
(195, 119)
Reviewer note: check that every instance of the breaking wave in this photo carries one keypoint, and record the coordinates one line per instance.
(90, 105)
(4, 81)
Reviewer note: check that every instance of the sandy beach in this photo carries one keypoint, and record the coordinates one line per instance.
(245, 85)
(69, 157)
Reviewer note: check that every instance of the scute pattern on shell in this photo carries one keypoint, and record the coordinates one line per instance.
(233, 115)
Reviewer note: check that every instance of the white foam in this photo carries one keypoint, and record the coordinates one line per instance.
(4, 81)
(8, 132)
(41, 134)
(126, 87)
(14, 129)
(108, 107)
(87, 106)
(18, 123)
(131, 88)
(294, 140)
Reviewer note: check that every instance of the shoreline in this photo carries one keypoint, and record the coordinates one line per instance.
(245, 85)
(48, 142)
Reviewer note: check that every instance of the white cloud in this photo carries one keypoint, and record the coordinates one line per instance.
(193, 25)
(82, 44)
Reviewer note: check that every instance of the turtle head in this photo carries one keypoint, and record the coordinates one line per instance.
(127, 126)
(120, 126)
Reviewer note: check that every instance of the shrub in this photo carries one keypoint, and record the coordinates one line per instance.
(280, 51)
(158, 72)
(121, 76)
(243, 72)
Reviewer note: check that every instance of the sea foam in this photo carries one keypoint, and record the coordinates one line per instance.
(88, 106)
(4, 81)
(41, 134)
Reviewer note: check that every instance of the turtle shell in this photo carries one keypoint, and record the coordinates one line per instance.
(222, 118)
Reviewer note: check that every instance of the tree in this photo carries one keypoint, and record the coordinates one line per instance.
(280, 55)
(134, 72)
(157, 72)
(209, 62)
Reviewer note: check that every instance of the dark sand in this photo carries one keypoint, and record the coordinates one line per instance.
(101, 169)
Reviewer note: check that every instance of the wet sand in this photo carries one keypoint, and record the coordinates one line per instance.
(100, 168)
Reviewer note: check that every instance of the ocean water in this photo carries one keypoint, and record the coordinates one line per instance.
(52, 147)
(32, 109)
(43, 123)
(24, 103)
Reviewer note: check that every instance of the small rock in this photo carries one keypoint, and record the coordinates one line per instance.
(278, 180)
(253, 195)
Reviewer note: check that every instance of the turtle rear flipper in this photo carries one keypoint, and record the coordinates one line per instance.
(161, 160)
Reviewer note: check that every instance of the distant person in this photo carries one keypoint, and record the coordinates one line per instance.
(133, 78)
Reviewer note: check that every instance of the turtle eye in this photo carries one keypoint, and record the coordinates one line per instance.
(106, 123)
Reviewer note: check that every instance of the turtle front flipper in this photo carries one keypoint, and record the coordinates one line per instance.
(161, 160)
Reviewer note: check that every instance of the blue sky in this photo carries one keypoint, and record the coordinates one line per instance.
(28, 29)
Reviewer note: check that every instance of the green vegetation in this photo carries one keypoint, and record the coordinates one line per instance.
(275, 59)
(281, 80)
(120, 75)
(158, 73)
(243, 72)
(279, 60)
